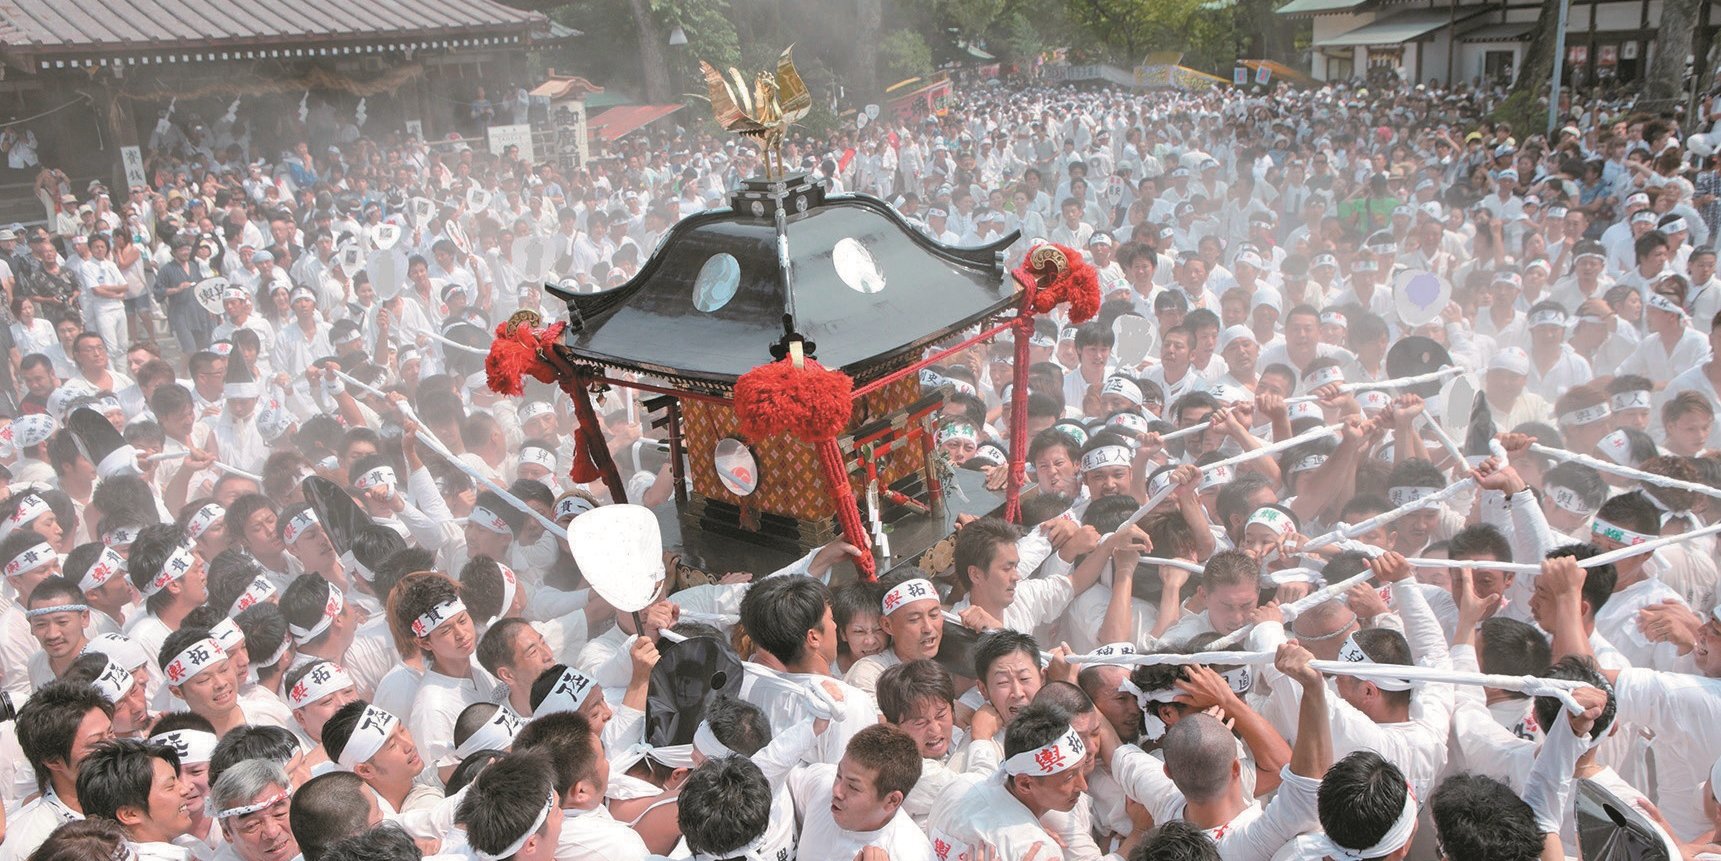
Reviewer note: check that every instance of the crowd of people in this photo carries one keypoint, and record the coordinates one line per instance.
(1266, 601)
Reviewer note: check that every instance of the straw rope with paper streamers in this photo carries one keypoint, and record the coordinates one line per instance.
(428, 438)
(1625, 471)
(1534, 686)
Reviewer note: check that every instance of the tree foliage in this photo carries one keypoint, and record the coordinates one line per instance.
(904, 54)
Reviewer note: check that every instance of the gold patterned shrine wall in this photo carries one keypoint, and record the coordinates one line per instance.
(790, 483)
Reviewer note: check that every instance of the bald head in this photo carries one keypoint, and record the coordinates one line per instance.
(1321, 628)
(1200, 757)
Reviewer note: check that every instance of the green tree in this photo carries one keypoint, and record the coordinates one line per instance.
(1129, 29)
(904, 54)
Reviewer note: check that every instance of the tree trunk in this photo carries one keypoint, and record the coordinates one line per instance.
(869, 17)
(1665, 80)
(1538, 68)
(651, 54)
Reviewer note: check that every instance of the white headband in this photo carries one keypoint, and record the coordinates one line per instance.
(436, 617)
(1273, 519)
(1121, 648)
(1617, 446)
(1309, 462)
(1061, 754)
(57, 608)
(1104, 456)
(331, 609)
(259, 591)
(1569, 500)
(114, 682)
(515, 847)
(538, 455)
(907, 592)
(955, 431)
(705, 741)
(1393, 840)
(1122, 387)
(1662, 303)
(202, 520)
(321, 680)
(1374, 400)
(30, 560)
(1323, 376)
(1603, 529)
(228, 634)
(1402, 496)
(1677, 225)
(510, 587)
(369, 735)
(248, 809)
(376, 476)
(532, 409)
(176, 566)
(572, 506)
(569, 693)
(490, 520)
(1636, 399)
(1129, 421)
(29, 508)
(298, 524)
(241, 390)
(1350, 652)
(1333, 318)
(1548, 317)
(121, 536)
(107, 565)
(196, 658)
(497, 733)
(1586, 416)
(1304, 410)
(1212, 478)
(195, 747)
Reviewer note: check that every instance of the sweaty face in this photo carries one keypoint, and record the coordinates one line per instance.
(1229, 607)
(864, 635)
(856, 804)
(929, 722)
(1011, 683)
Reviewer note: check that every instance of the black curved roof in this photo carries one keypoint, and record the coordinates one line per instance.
(929, 291)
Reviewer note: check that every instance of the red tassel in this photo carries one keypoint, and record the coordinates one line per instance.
(584, 470)
(518, 352)
(848, 508)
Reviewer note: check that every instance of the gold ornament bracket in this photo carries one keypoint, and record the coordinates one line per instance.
(764, 112)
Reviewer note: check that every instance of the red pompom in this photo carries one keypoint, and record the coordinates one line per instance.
(518, 352)
(811, 403)
(1055, 274)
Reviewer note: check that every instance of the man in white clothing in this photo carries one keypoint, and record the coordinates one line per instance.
(856, 805)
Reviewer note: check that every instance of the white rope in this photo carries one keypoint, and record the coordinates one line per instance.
(429, 439)
(1394, 383)
(457, 345)
(1625, 471)
(1531, 685)
(237, 471)
(1515, 567)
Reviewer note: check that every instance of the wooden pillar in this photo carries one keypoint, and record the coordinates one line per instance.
(119, 123)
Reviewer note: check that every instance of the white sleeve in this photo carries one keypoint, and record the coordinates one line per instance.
(433, 823)
(1549, 788)
(608, 665)
(1143, 778)
(548, 603)
(784, 752)
(625, 729)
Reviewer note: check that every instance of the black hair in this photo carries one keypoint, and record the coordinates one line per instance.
(252, 741)
(1599, 580)
(1512, 647)
(1581, 479)
(1360, 798)
(1035, 726)
(1176, 840)
(327, 809)
(994, 645)
(903, 686)
(304, 603)
(48, 723)
(779, 612)
(733, 785)
(1480, 538)
(119, 773)
(976, 544)
(1479, 817)
(1632, 511)
(265, 631)
(149, 551)
(1577, 668)
(386, 842)
(738, 724)
(505, 802)
(563, 739)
